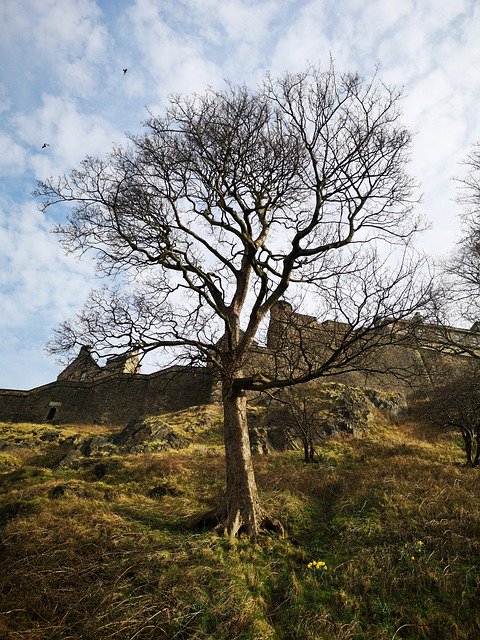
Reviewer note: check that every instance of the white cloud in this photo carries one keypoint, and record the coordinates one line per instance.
(172, 61)
(63, 84)
(12, 156)
(39, 287)
(70, 133)
(37, 278)
(61, 43)
(305, 40)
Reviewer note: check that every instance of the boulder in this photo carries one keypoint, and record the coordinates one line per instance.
(259, 440)
(164, 490)
(392, 403)
(148, 434)
(139, 436)
(49, 436)
(73, 459)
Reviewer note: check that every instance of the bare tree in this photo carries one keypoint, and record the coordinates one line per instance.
(464, 266)
(301, 415)
(225, 203)
(453, 401)
(458, 299)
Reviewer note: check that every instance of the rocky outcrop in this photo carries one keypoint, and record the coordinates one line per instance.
(332, 408)
(148, 434)
(139, 436)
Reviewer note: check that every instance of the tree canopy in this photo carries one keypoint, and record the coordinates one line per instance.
(227, 203)
(464, 265)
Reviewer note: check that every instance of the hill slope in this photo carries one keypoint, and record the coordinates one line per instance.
(104, 551)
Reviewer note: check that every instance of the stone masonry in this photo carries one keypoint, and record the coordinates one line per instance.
(117, 392)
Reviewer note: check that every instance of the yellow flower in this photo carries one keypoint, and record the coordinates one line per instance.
(419, 543)
(412, 557)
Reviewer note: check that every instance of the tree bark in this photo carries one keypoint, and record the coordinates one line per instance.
(308, 450)
(243, 511)
(306, 457)
(467, 438)
(477, 447)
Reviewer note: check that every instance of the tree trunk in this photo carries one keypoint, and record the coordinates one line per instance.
(240, 512)
(305, 451)
(308, 450)
(311, 451)
(243, 511)
(467, 438)
(477, 447)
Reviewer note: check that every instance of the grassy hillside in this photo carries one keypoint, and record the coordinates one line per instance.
(104, 551)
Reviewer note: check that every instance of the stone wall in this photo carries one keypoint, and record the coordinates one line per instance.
(85, 392)
(113, 400)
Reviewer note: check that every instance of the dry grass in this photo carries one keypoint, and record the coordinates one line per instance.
(111, 557)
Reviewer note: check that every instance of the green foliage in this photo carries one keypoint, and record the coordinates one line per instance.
(107, 550)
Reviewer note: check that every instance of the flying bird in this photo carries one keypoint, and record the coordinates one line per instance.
(45, 145)
(125, 71)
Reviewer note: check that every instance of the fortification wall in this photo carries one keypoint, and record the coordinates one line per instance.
(114, 400)
(294, 342)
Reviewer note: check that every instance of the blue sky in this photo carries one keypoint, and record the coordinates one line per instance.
(61, 82)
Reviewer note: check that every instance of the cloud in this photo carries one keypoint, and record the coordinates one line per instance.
(304, 40)
(62, 44)
(12, 156)
(434, 54)
(37, 279)
(39, 287)
(70, 133)
(63, 84)
(172, 60)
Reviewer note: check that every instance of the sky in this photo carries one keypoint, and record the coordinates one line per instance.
(62, 83)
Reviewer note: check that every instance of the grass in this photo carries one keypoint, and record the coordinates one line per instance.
(392, 512)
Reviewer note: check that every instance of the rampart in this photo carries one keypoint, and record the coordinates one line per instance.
(116, 393)
(109, 400)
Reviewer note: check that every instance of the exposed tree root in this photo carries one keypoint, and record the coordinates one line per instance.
(236, 527)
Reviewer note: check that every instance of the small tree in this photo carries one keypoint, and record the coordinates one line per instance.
(301, 415)
(464, 265)
(461, 289)
(454, 402)
(228, 201)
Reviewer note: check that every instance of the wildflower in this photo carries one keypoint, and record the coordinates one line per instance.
(318, 564)
(412, 557)
(419, 543)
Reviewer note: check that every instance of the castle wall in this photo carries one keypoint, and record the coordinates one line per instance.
(114, 400)
(294, 341)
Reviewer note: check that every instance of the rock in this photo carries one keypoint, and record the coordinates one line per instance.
(18, 443)
(98, 445)
(164, 490)
(337, 410)
(393, 403)
(139, 436)
(66, 490)
(71, 441)
(50, 436)
(73, 459)
(259, 440)
(148, 434)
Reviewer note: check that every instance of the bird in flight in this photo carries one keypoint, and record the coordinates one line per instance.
(45, 145)
(125, 71)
